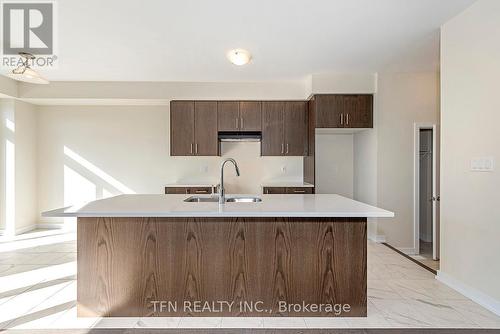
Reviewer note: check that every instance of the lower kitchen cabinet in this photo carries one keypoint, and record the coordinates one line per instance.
(189, 190)
(288, 190)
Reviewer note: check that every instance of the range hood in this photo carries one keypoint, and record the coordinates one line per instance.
(240, 136)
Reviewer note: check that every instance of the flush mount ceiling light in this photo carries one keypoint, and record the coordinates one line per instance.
(25, 73)
(239, 56)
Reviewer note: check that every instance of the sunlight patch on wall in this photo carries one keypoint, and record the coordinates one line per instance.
(97, 171)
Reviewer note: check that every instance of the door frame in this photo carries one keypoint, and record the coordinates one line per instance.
(416, 187)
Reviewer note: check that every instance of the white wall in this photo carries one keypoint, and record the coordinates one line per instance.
(26, 168)
(119, 149)
(334, 164)
(18, 152)
(470, 117)
(7, 197)
(402, 100)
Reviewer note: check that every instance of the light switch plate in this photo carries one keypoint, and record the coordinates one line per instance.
(482, 164)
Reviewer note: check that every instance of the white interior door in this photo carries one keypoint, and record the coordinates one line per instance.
(435, 193)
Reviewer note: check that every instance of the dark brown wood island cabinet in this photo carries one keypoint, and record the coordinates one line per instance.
(193, 128)
(284, 128)
(145, 255)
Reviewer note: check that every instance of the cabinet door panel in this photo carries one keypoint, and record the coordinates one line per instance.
(175, 190)
(205, 128)
(199, 190)
(274, 190)
(295, 128)
(329, 109)
(350, 106)
(363, 115)
(250, 116)
(272, 143)
(299, 190)
(181, 128)
(228, 115)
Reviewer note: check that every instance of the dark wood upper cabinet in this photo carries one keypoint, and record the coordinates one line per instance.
(329, 109)
(272, 143)
(228, 114)
(295, 128)
(284, 128)
(363, 114)
(181, 128)
(250, 116)
(193, 128)
(239, 115)
(344, 110)
(205, 128)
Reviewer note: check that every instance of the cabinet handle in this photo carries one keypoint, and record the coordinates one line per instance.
(286, 148)
(241, 127)
(299, 191)
(236, 119)
(191, 148)
(201, 191)
(347, 116)
(282, 148)
(196, 148)
(341, 119)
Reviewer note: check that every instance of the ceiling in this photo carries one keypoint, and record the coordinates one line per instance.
(160, 40)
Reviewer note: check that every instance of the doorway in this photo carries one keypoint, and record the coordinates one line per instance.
(426, 186)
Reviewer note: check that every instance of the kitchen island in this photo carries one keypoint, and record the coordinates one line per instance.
(157, 255)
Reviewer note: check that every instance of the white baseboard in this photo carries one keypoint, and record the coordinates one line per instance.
(479, 297)
(50, 225)
(378, 238)
(25, 229)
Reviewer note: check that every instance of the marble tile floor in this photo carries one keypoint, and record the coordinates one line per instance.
(38, 291)
(425, 256)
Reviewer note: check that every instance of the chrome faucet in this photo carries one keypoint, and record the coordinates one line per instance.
(222, 192)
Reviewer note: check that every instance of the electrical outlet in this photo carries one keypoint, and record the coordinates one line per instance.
(204, 169)
(482, 164)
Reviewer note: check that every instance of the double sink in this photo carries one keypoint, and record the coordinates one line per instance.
(228, 199)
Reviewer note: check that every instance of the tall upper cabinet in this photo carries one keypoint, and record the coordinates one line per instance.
(284, 128)
(193, 128)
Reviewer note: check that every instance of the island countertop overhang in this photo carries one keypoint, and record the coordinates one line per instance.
(286, 205)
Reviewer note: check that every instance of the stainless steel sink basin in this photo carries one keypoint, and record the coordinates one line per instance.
(242, 199)
(201, 199)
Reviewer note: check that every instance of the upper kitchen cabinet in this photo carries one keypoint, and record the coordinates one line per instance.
(343, 110)
(295, 121)
(182, 128)
(284, 128)
(193, 128)
(273, 131)
(250, 116)
(239, 115)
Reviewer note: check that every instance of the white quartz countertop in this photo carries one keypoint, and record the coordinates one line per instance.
(286, 205)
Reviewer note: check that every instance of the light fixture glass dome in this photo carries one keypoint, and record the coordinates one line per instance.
(239, 56)
(28, 75)
(25, 73)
